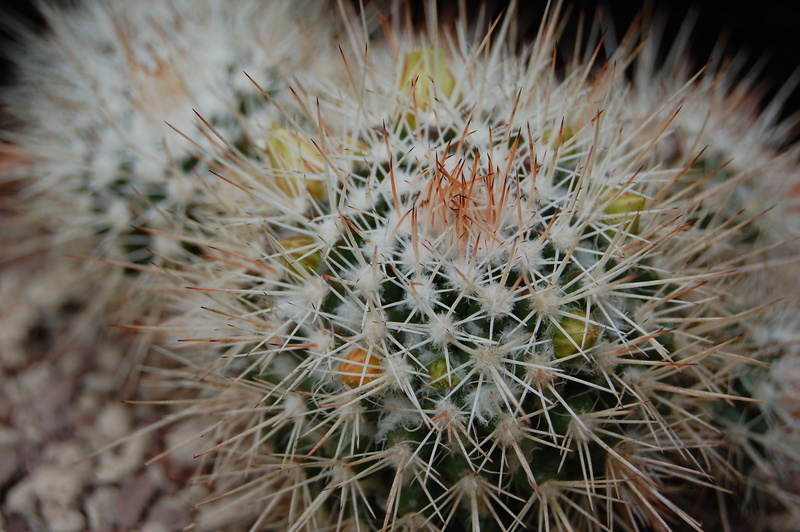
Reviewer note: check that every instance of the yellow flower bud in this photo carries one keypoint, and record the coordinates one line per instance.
(359, 368)
(625, 207)
(424, 69)
(301, 249)
(355, 147)
(297, 157)
(440, 377)
(566, 134)
(576, 331)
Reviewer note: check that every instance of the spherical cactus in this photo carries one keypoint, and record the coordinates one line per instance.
(462, 291)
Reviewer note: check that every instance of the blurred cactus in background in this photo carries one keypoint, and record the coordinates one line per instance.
(447, 281)
(91, 139)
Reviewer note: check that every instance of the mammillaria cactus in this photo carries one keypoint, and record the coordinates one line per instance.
(458, 285)
(475, 293)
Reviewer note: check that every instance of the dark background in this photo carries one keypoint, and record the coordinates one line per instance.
(767, 30)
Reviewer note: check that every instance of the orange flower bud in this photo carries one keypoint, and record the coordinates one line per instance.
(359, 368)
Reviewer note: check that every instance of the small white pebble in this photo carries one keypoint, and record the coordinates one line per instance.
(63, 519)
(154, 527)
(101, 508)
(21, 498)
(114, 422)
(116, 464)
(58, 485)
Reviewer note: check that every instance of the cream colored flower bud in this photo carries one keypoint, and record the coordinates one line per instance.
(425, 72)
(626, 206)
(440, 377)
(302, 252)
(566, 134)
(299, 160)
(576, 331)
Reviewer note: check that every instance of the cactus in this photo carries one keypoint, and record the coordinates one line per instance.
(443, 287)
(476, 295)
